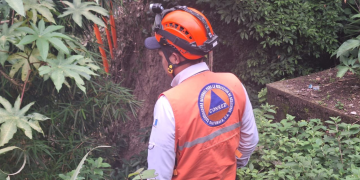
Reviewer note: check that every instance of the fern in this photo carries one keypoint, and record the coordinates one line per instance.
(14, 117)
(79, 9)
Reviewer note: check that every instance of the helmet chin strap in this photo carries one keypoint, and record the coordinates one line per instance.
(167, 50)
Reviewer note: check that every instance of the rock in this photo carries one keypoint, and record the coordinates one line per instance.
(353, 113)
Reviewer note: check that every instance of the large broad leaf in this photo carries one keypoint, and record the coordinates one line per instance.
(42, 7)
(14, 117)
(20, 60)
(17, 5)
(342, 70)
(43, 36)
(347, 46)
(79, 9)
(60, 68)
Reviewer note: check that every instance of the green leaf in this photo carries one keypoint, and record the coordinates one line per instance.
(15, 118)
(43, 46)
(136, 172)
(330, 122)
(7, 131)
(36, 126)
(52, 29)
(37, 117)
(6, 105)
(58, 44)
(43, 36)
(79, 9)
(60, 68)
(4, 54)
(19, 60)
(26, 29)
(342, 70)
(17, 5)
(78, 168)
(27, 39)
(10, 34)
(105, 165)
(10, 148)
(58, 78)
(94, 18)
(42, 7)
(146, 174)
(347, 46)
(24, 125)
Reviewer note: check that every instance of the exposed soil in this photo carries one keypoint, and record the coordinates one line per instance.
(140, 70)
(325, 89)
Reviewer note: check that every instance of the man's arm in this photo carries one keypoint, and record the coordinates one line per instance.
(161, 150)
(249, 136)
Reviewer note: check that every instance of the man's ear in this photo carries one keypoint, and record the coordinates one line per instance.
(177, 58)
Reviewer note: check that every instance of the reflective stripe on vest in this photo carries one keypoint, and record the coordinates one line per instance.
(210, 136)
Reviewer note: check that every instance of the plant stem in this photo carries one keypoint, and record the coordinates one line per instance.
(338, 139)
(23, 91)
(10, 79)
(12, 17)
(341, 157)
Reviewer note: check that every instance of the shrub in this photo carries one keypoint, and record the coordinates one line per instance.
(272, 39)
(49, 60)
(303, 149)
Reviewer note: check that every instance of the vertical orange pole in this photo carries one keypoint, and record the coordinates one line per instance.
(101, 49)
(113, 27)
(108, 38)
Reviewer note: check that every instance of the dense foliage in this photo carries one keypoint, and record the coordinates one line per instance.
(51, 82)
(303, 150)
(272, 39)
(348, 52)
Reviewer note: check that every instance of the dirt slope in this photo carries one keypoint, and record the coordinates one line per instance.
(140, 70)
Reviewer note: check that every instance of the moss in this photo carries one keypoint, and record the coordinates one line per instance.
(306, 110)
(286, 108)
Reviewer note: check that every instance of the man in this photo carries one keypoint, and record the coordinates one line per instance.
(204, 126)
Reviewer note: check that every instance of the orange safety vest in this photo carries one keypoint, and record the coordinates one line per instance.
(208, 109)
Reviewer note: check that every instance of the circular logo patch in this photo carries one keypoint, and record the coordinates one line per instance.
(216, 103)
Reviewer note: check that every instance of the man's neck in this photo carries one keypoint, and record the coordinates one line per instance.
(182, 67)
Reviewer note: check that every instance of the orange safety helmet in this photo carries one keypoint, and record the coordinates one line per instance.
(186, 29)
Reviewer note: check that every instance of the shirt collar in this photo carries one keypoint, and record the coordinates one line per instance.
(188, 72)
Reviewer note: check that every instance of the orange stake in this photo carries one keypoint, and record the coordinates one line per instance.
(108, 38)
(113, 27)
(101, 49)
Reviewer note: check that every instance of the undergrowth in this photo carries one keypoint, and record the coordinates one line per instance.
(310, 149)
